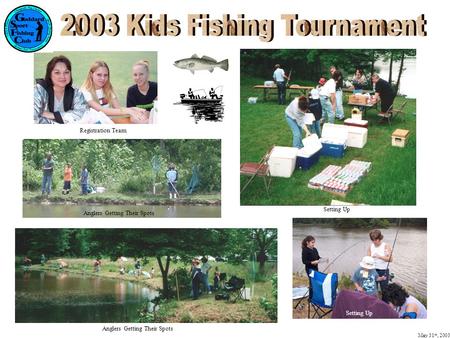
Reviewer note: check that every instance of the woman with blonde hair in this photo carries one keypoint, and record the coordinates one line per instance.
(99, 94)
(144, 92)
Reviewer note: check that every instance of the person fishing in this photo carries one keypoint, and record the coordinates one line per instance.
(310, 255)
(172, 177)
(381, 252)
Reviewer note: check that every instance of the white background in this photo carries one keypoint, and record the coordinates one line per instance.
(432, 147)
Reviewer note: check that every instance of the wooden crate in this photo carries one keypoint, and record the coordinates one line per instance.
(357, 99)
(400, 137)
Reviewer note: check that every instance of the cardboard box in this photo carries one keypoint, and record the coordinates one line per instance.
(356, 123)
(357, 99)
(334, 140)
(310, 153)
(400, 137)
(357, 136)
(282, 161)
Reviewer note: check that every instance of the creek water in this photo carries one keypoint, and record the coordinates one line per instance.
(56, 297)
(409, 257)
(67, 210)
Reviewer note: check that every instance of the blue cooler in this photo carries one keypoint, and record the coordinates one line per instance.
(310, 153)
(334, 140)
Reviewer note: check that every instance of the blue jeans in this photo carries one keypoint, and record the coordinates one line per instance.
(315, 128)
(339, 105)
(205, 282)
(281, 85)
(84, 188)
(296, 132)
(327, 110)
(383, 283)
(46, 184)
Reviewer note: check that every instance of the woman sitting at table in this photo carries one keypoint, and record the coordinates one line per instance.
(99, 93)
(359, 81)
(55, 99)
(144, 92)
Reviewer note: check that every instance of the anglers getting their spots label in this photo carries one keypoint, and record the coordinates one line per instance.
(28, 28)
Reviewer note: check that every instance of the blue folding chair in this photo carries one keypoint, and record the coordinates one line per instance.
(322, 293)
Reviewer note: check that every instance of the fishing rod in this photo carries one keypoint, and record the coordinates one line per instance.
(343, 252)
(173, 186)
(289, 78)
(399, 223)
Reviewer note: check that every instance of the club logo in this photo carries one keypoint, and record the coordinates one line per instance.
(28, 28)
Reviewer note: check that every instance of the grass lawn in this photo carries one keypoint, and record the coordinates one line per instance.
(120, 66)
(392, 180)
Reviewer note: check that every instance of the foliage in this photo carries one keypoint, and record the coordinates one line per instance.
(270, 305)
(183, 277)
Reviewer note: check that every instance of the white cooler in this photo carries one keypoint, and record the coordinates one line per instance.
(357, 137)
(282, 161)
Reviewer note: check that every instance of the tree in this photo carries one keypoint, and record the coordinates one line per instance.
(265, 241)
(164, 244)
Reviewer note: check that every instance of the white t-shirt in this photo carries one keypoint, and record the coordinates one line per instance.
(278, 75)
(294, 113)
(100, 96)
(380, 251)
(328, 88)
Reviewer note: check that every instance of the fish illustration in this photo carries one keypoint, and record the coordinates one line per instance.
(204, 63)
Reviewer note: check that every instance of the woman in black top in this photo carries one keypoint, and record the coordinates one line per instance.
(310, 255)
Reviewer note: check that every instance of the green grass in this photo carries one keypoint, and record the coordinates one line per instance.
(392, 180)
(120, 65)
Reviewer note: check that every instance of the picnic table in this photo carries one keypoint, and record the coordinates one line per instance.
(292, 90)
(364, 107)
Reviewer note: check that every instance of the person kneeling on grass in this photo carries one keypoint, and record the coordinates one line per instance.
(366, 277)
(295, 118)
(407, 306)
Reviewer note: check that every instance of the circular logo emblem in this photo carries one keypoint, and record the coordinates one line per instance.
(28, 28)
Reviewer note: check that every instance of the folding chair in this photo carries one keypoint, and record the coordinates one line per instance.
(392, 112)
(300, 294)
(260, 169)
(235, 288)
(322, 293)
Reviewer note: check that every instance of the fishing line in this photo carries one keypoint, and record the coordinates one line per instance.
(343, 252)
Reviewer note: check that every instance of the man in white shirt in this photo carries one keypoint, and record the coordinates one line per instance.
(279, 77)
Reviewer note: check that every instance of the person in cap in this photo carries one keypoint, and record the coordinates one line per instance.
(400, 300)
(280, 79)
(315, 108)
(327, 92)
(196, 277)
(366, 277)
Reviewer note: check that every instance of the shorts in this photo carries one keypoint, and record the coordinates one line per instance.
(67, 185)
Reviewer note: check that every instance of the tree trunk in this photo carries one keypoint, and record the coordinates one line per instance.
(400, 71)
(372, 64)
(391, 62)
(164, 273)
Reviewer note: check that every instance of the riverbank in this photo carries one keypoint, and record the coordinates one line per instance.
(84, 267)
(110, 198)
